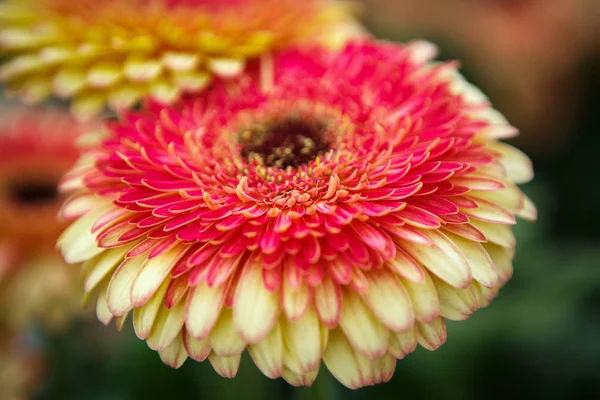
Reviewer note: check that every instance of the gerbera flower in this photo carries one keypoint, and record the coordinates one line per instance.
(327, 205)
(36, 149)
(113, 51)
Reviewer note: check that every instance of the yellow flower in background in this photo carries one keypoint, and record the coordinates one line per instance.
(112, 52)
(36, 149)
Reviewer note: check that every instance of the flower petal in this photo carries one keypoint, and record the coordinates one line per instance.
(227, 367)
(302, 343)
(367, 335)
(443, 258)
(197, 349)
(481, 264)
(424, 298)
(203, 307)
(167, 326)
(175, 354)
(119, 289)
(255, 309)
(143, 317)
(388, 300)
(328, 301)
(224, 339)
(153, 273)
(404, 343)
(432, 335)
(268, 353)
(77, 242)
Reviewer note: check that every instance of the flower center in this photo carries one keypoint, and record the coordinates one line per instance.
(32, 192)
(287, 142)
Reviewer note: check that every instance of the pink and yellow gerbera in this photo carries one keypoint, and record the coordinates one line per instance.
(325, 205)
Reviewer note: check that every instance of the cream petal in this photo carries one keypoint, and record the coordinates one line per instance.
(166, 327)
(124, 96)
(191, 81)
(517, 164)
(424, 298)
(197, 349)
(404, 343)
(153, 273)
(226, 67)
(178, 61)
(268, 353)
(485, 294)
(102, 310)
(481, 264)
(68, 82)
(86, 105)
(443, 258)
(328, 302)
(510, 197)
(79, 204)
(348, 366)
(175, 354)
(499, 131)
(296, 379)
(119, 289)
(455, 304)
(501, 235)
(227, 367)
(388, 300)
(224, 339)
(471, 93)
(120, 321)
(203, 307)
(101, 265)
(143, 317)
(295, 301)
(255, 309)
(433, 334)
(529, 211)
(405, 266)
(383, 369)
(422, 51)
(138, 69)
(489, 212)
(502, 257)
(103, 75)
(367, 335)
(77, 242)
(164, 91)
(302, 343)
(494, 117)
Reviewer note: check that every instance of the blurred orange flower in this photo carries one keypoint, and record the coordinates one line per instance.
(36, 148)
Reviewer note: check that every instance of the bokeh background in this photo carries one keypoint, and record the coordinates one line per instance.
(539, 62)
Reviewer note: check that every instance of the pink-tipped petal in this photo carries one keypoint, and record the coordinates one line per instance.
(268, 353)
(443, 258)
(255, 308)
(175, 354)
(364, 331)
